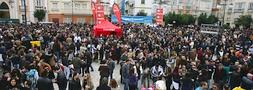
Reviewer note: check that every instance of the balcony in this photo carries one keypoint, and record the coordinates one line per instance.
(250, 10)
(238, 10)
(39, 7)
(230, 10)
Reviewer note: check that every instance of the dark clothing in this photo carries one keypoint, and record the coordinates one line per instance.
(61, 81)
(168, 79)
(133, 80)
(103, 87)
(104, 71)
(111, 67)
(236, 79)
(132, 87)
(125, 71)
(45, 84)
(187, 84)
(75, 85)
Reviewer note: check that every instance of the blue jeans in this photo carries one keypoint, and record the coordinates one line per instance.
(126, 84)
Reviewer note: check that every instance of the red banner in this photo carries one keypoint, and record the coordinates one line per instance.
(117, 13)
(100, 13)
(93, 7)
(159, 16)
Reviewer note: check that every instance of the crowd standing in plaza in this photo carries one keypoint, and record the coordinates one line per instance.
(161, 58)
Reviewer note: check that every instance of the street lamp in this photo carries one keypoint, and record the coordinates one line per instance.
(24, 5)
(72, 12)
(223, 5)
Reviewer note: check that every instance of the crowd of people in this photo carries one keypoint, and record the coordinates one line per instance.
(161, 58)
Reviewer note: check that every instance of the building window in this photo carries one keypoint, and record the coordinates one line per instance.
(239, 7)
(54, 6)
(81, 20)
(77, 5)
(38, 3)
(84, 6)
(67, 5)
(142, 1)
(23, 3)
(23, 18)
(67, 20)
(251, 6)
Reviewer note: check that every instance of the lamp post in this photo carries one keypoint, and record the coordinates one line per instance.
(224, 11)
(24, 5)
(72, 12)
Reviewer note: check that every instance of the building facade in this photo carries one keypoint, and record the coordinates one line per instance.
(73, 11)
(21, 9)
(235, 8)
(194, 7)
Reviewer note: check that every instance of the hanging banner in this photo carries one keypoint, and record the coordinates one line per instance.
(117, 13)
(100, 13)
(134, 19)
(93, 7)
(159, 16)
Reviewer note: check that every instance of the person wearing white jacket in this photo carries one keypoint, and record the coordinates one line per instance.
(156, 71)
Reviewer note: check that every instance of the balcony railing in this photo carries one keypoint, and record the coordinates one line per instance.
(238, 10)
(250, 10)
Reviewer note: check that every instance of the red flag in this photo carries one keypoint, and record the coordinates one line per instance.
(100, 13)
(117, 13)
(93, 7)
(159, 16)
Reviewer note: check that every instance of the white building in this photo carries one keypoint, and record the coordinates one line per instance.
(194, 7)
(135, 6)
(9, 9)
(73, 11)
(236, 8)
(16, 9)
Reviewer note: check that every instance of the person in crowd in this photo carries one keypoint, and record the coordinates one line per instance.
(215, 87)
(44, 83)
(87, 82)
(114, 85)
(89, 59)
(75, 84)
(77, 63)
(203, 86)
(133, 79)
(103, 85)
(14, 85)
(61, 79)
(111, 65)
(125, 74)
(104, 70)
(160, 84)
(156, 71)
(236, 78)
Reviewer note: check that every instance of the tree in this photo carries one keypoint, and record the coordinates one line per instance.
(179, 19)
(191, 19)
(244, 20)
(40, 14)
(141, 13)
(204, 19)
(212, 19)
